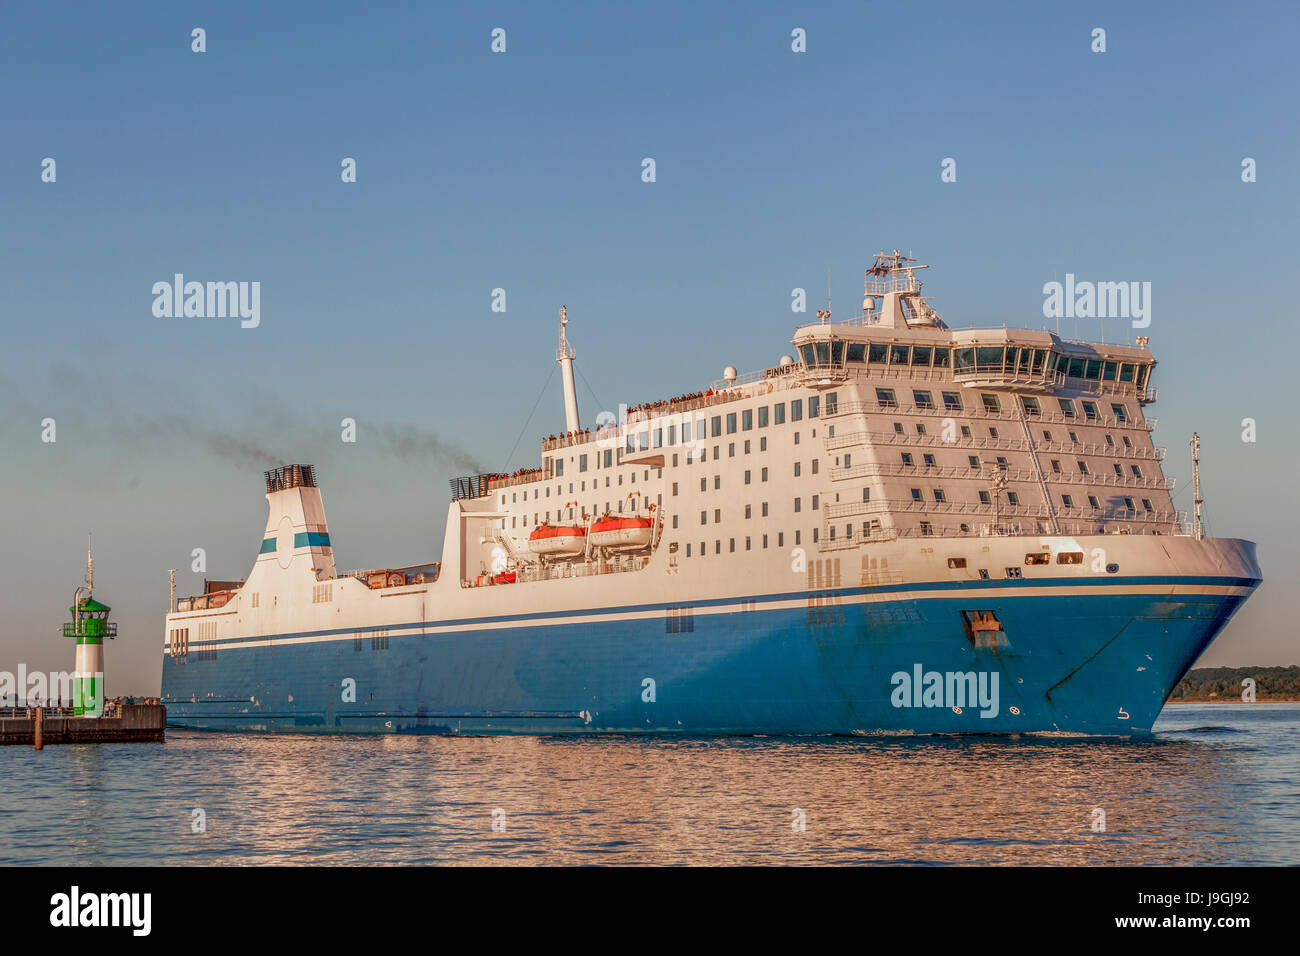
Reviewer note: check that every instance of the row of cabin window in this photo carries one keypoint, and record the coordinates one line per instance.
(993, 433)
(595, 483)
(704, 428)
(573, 512)
(1008, 359)
(691, 458)
(887, 398)
(749, 542)
(929, 461)
(1013, 499)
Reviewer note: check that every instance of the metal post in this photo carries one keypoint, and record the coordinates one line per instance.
(1196, 475)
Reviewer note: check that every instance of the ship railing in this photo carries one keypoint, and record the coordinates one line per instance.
(978, 411)
(560, 570)
(28, 711)
(865, 439)
(586, 436)
(771, 375)
(507, 481)
(1154, 453)
(888, 506)
(964, 472)
(893, 438)
(646, 414)
(878, 469)
(1001, 374)
(892, 282)
(985, 530)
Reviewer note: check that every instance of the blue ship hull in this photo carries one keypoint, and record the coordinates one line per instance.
(1102, 662)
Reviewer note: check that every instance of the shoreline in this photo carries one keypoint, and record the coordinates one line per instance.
(1233, 700)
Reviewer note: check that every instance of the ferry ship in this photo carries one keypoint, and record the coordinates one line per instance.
(899, 528)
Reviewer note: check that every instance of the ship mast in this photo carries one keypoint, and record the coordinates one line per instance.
(1196, 477)
(565, 356)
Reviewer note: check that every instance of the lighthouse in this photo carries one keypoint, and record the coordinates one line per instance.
(89, 626)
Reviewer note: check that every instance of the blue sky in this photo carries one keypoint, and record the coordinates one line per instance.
(522, 171)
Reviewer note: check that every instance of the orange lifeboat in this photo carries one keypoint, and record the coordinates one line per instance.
(557, 540)
(621, 534)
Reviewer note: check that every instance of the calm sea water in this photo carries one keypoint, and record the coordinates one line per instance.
(1217, 784)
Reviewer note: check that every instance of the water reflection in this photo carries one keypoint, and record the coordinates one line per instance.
(1216, 785)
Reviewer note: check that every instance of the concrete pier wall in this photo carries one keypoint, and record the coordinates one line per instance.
(135, 723)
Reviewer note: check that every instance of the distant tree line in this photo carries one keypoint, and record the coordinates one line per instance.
(1217, 683)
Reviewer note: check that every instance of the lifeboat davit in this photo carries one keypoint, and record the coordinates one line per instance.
(621, 534)
(564, 539)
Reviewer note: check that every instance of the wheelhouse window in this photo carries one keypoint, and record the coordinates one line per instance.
(920, 356)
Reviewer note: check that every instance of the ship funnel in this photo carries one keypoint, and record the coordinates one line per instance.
(296, 534)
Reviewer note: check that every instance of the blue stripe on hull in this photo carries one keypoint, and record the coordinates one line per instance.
(1097, 664)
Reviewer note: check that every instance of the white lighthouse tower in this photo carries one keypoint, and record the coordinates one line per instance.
(565, 356)
(89, 626)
